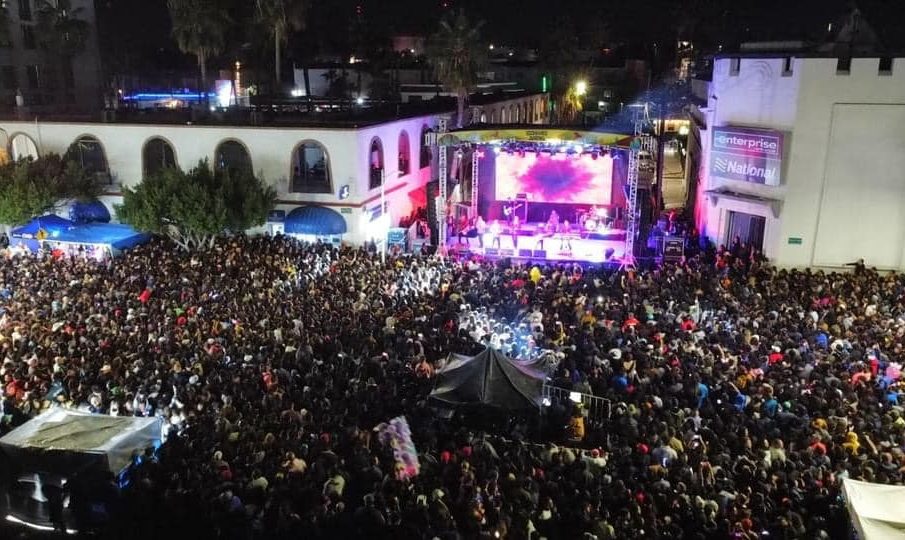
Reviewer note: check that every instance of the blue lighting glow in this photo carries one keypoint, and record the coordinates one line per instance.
(150, 96)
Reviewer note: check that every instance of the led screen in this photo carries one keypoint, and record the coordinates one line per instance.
(559, 178)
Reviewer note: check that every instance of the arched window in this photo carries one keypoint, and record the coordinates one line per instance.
(513, 119)
(493, 116)
(310, 169)
(88, 152)
(375, 161)
(233, 156)
(157, 155)
(426, 154)
(23, 147)
(405, 154)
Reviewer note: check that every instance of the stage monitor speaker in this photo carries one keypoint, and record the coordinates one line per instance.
(539, 254)
(507, 252)
(524, 253)
(491, 252)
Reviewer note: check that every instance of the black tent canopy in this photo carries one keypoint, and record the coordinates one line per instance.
(488, 379)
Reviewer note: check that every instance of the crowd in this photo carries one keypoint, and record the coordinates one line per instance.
(742, 394)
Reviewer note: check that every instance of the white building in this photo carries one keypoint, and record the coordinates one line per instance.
(336, 170)
(804, 155)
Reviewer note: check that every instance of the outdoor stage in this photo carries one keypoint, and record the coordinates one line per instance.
(539, 195)
(536, 245)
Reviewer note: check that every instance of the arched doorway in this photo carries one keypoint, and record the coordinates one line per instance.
(375, 160)
(158, 154)
(231, 155)
(310, 169)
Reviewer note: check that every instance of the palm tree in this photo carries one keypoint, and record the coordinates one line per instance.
(457, 55)
(61, 33)
(199, 28)
(281, 17)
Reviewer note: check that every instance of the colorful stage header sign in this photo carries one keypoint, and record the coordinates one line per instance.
(747, 155)
(483, 136)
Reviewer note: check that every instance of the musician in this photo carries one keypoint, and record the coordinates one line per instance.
(514, 227)
(549, 230)
(481, 227)
(510, 208)
(463, 229)
(564, 236)
(495, 230)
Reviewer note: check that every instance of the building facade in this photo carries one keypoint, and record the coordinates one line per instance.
(340, 169)
(804, 157)
(46, 75)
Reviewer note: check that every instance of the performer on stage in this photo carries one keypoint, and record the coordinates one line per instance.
(481, 227)
(495, 230)
(514, 227)
(463, 229)
(564, 236)
(549, 229)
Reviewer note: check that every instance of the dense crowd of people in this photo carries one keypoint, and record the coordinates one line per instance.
(742, 395)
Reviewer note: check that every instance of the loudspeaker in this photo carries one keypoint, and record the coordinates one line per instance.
(507, 252)
(524, 253)
(491, 252)
(540, 254)
(609, 253)
(433, 188)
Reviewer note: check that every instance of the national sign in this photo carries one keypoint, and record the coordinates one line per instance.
(747, 155)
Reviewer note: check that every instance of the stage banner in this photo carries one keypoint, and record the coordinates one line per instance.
(747, 155)
(478, 136)
(396, 435)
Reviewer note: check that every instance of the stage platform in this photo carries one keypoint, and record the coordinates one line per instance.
(535, 245)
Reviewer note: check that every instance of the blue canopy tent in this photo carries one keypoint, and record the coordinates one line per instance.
(317, 221)
(51, 224)
(115, 236)
(89, 212)
(27, 235)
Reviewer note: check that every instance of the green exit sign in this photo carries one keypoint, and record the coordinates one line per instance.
(345, 210)
(795, 241)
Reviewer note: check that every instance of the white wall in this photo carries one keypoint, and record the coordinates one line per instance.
(806, 104)
(271, 154)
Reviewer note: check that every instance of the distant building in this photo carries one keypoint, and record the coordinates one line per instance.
(800, 152)
(42, 77)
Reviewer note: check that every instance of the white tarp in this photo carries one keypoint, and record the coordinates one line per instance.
(877, 510)
(65, 440)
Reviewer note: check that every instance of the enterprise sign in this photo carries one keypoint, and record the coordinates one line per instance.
(747, 155)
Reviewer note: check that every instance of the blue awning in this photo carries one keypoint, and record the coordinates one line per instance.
(89, 212)
(315, 221)
(52, 224)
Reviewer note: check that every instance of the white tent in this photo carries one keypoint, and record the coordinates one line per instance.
(65, 441)
(877, 510)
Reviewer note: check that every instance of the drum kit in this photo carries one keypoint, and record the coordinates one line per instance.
(594, 220)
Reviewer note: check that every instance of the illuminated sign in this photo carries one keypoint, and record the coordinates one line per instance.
(747, 155)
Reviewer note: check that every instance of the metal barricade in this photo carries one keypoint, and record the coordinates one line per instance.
(598, 408)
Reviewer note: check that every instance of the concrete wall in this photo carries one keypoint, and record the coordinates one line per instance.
(841, 163)
(271, 151)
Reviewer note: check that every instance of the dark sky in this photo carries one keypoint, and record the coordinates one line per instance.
(144, 24)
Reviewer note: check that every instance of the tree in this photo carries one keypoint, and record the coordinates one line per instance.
(199, 28)
(457, 55)
(281, 17)
(62, 35)
(30, 188)
(4, 26)
(194, 208)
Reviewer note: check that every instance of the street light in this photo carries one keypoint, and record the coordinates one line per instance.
(581, 88)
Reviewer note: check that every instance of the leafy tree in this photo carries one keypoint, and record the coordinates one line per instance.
(30, 188)
(457, 54)
(194, 208)
(199, 28)
(281, 17)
